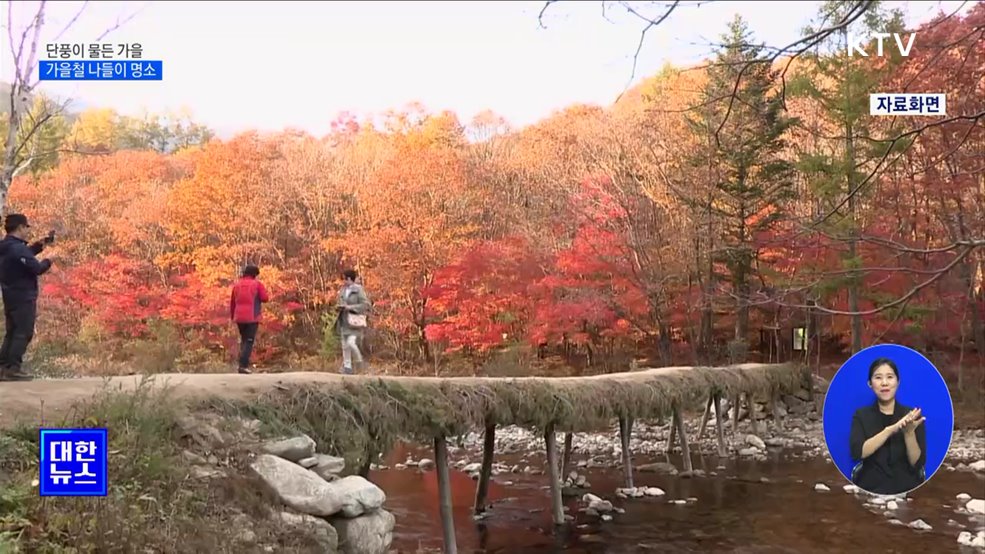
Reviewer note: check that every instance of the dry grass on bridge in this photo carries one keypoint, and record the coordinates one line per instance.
(419, 407)
(387, 410)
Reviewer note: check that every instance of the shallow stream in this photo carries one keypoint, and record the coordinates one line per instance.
(734, 510)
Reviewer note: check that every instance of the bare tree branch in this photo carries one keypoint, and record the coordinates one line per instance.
(36, 23)
(119, 23)
(904, 298)
(650, 23)
(540, 16)
(72, 21)
(974, 118)
(25, 52)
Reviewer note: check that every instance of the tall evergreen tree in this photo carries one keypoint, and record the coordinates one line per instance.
(845, 148)
(743, 118)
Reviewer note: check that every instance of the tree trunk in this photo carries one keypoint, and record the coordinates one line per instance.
(19, 91)
(706, 340)
(423, 344)
(742, 310)
(663, 344)
(854, 281)
(973, 306)
(707, 290)
(853, 296)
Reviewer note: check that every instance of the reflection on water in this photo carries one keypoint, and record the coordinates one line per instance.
(735, 512)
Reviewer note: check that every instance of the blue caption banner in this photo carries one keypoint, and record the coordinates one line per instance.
(73, 462)
(101, 70)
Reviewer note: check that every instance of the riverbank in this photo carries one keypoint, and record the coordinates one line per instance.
(204, 480)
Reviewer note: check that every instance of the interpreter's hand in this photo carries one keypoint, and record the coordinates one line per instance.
(911, 421)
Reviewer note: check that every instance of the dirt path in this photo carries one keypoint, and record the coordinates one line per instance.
(48, 400)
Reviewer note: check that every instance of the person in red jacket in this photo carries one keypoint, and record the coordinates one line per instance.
(244, 309)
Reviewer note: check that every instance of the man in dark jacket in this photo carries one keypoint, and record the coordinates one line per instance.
(19, 272)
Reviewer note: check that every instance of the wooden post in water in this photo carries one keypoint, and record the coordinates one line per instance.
(444, 495)
(553, 470)
(685, 451)
(673, 433)
(488, 449)
(777, 416)
(719, 425)
(566, 456)
(705, 417)
(753, 417)
(367, 463)
(625, 431)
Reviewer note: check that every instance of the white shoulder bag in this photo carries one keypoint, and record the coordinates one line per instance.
(357, 321)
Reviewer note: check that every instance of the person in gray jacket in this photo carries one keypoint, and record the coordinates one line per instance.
(353, 309)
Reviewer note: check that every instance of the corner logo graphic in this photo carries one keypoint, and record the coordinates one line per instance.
(856, 44)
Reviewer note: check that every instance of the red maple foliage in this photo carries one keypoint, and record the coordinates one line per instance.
(483, 299)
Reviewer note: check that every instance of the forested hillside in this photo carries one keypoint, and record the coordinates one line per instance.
(693, 220)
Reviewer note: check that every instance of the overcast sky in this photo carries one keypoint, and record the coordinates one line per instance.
(271, 65)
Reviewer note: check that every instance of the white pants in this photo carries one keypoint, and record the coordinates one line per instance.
(350, 351)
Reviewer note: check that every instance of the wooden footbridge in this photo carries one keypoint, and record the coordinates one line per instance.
(373, 412)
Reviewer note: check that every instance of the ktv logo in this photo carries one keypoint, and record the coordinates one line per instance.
(857, 43)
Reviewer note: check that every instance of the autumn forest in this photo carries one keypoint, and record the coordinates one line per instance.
(739, 210)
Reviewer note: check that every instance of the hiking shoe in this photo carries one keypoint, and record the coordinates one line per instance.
(7, 374)
(245, 370)
(346, 371)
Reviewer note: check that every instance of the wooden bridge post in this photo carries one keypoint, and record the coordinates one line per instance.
(488, 450)
(777, 416)
(625, 431)
(705, 417)
(758, 425)
(685, 451)
(553, 470)
(719, 425)
(673, 434)
(368, 462)
(566, 456)
(444, 495)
